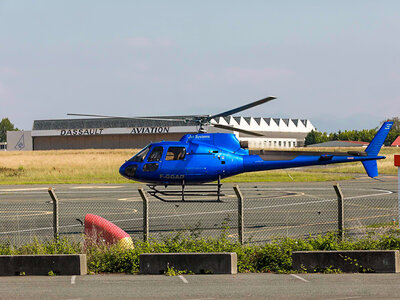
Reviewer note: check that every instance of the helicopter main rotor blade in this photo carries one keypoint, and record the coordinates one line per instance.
(135, 118)
(228, 127)
(241, 108)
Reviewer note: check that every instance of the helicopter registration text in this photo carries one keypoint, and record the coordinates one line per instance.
(171, 176)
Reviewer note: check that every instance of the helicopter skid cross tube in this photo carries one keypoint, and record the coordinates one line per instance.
(157, 193)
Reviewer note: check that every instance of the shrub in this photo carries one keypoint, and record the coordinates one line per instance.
(274, 256)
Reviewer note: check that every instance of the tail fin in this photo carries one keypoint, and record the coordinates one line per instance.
(370, 166)
(376, 144)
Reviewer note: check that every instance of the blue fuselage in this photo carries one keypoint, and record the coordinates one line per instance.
(200, 158)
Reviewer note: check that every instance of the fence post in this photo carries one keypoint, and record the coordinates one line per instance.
(340, 210)
(240, 212)
(55, 211)
(145, 214)
(397, 164)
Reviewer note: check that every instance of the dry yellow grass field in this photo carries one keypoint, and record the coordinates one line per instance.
(101, 166)
(385, 166)
(63, 166)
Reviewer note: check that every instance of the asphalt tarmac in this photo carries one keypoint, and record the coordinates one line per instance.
(203, 287)
(270, 209)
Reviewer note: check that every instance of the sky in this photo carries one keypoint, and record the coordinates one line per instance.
(336, 63)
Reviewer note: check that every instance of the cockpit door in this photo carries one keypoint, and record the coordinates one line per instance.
(154, 159)
(174, 164)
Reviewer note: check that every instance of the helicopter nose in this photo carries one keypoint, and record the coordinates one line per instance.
(122, 170)
(128, 170)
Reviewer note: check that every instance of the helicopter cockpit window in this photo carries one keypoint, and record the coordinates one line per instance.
(141, 155)
(150, 167)
(155, 154)
(176, 153)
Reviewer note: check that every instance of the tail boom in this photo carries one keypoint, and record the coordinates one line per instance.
(272, 160)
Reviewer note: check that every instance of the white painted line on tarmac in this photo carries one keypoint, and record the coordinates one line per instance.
(130, 199)
(384, 192)
(27, 230)
(73, 278)
(298, 277)
(201, 299)
(15, 214)
(24, 189)
(97, 187)
(183, 279)
(345, 298)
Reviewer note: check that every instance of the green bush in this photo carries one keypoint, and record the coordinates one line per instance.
(274, 256)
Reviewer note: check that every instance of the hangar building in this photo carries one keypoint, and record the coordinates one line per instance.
(113, 133)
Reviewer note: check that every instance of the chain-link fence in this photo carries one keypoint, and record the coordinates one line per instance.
(266, 214)
(23, 222)
(370, 215)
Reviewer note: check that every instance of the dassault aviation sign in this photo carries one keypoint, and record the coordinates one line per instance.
(99, 131)
(108, 131)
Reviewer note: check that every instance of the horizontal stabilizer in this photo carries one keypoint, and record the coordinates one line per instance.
(371, 167)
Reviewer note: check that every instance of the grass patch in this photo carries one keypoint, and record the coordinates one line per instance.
(394, 225)
(287, 176)
(63, 166)
(101, 166)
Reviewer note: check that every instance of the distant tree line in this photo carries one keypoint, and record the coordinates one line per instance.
(365, 135)
(5, 125)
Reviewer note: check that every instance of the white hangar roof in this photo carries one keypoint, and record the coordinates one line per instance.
(267, 124)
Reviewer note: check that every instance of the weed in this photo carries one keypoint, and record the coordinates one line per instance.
(327, 270)
(171, 271)
(357, 266)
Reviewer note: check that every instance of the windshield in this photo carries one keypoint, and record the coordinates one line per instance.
(141, 155)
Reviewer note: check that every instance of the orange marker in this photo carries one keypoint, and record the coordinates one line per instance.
(100, 230)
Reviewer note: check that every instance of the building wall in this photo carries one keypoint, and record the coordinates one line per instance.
(265, 143)
(120, 141)
(19, 141)
(114, 133)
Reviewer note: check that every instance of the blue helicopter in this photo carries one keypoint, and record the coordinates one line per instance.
(204, 158)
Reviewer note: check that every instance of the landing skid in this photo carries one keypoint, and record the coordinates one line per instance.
(182, 194)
